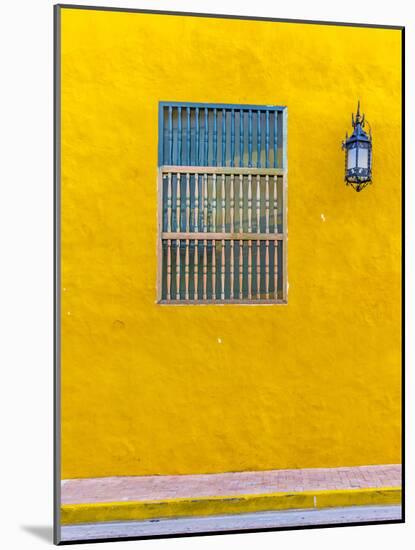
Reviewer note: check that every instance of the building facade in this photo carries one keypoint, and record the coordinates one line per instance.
(312, 380)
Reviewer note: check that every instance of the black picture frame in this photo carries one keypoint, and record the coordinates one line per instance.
(57, 273)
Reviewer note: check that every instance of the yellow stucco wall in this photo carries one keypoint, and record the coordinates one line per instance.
(148, 389)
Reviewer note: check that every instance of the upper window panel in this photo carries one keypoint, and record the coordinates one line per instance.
(221, 135)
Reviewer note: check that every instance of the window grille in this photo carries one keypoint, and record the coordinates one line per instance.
(222, 204)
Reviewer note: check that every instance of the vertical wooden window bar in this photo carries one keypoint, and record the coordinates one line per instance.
(222, 204)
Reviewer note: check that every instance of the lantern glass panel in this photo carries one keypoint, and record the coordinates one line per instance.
(363, 157)
(351, 158)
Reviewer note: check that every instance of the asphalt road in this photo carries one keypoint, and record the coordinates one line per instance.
(288, 518)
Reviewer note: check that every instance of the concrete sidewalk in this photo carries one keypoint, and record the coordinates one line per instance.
(144, 497)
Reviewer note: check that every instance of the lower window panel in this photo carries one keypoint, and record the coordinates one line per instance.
(222, 271)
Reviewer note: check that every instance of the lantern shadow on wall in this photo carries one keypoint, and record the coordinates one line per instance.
(358, 148)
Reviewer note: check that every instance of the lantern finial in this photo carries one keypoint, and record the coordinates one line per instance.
(359, 119)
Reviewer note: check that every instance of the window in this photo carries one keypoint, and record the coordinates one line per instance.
(222, 204)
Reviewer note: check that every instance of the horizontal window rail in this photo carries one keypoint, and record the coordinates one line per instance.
(225, 236)
(222, 170)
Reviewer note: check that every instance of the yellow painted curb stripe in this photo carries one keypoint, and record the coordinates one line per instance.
(206, 506)
(359, 497)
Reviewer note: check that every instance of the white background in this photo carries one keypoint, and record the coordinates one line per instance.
(26, 257)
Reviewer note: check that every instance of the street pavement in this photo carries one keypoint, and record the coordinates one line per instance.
(259, 520)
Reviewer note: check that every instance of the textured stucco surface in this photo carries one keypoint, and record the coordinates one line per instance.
(148, 389)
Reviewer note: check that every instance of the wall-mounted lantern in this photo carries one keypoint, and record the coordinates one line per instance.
(358, 147)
